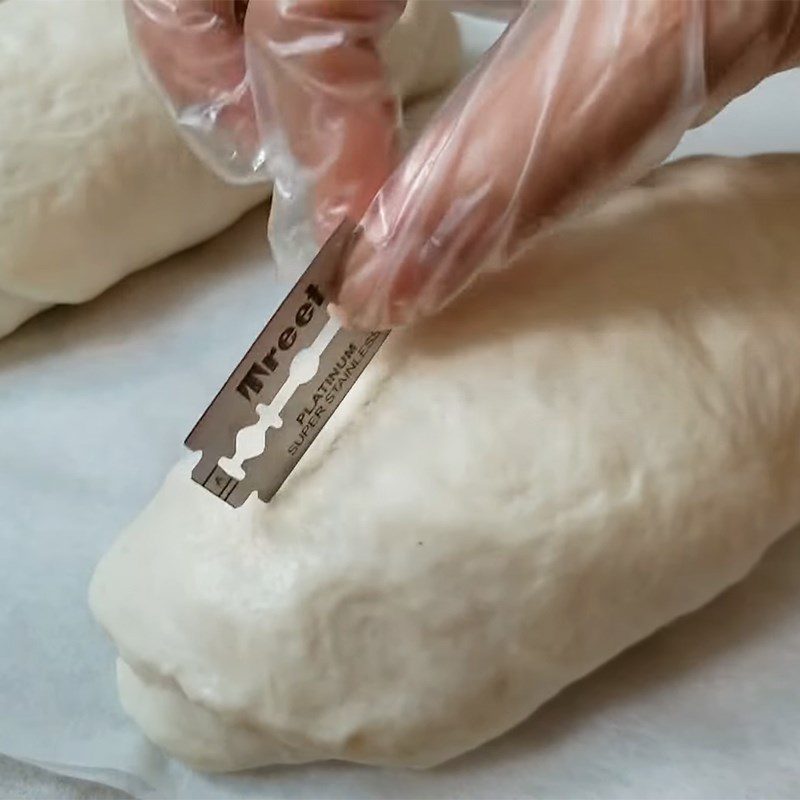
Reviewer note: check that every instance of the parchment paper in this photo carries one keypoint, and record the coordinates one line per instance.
(94, 404)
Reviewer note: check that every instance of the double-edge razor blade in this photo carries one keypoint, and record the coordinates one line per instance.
(262, 373)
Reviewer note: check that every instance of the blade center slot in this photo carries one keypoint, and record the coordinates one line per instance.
(250, 440)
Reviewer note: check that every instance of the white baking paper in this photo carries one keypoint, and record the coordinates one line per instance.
(94, 404)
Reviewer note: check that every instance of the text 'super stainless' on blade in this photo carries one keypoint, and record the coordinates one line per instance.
(305, 414)
(262, 372)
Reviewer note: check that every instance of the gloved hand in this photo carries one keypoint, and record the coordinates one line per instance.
(576, 99)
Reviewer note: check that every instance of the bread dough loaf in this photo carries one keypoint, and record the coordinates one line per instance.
(578, 451)
(94, 181)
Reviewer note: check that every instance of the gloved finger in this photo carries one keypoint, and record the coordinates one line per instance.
(193, 51)
(567, 107)
(317, 75)
(293, 91)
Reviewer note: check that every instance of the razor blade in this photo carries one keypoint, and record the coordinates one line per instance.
(263, 372)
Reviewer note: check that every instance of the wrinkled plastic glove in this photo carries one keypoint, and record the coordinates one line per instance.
(575, 100)
(290, 91)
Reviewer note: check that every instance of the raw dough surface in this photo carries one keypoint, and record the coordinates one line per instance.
(580, 450)
(94, 181)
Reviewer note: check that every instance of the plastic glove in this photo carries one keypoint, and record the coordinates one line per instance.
(576, 99)
(293, 92)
